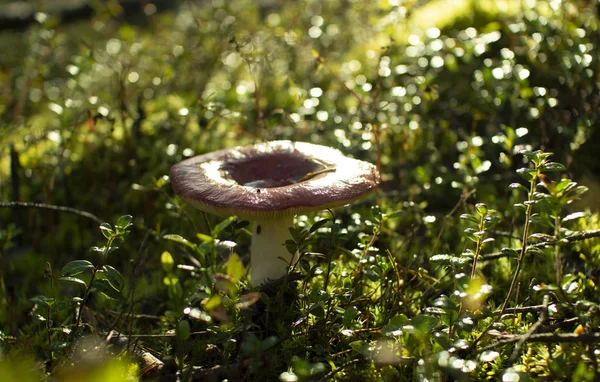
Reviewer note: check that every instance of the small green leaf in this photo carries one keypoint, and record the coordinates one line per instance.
(305, 265)
(98, 250)
(518, 186)
(577, 192)
(434, 311)
(349, 315)
(521, 206)
(471, 234)
(318, 225)
(114, 277)
(170, 281)
(470, 218)
(492, 219)
(42, 300)
(124, 222)
(167, 262)
(224, 283)
(394, 324)
(307, 371)
(526, 173)
(376, 212)
(393, 214)
(251, 345)
(205, 238)
(573, 216)
(553, 166)
(107, 230)
(73, 280)
(235, 268)
(241, 224)
(535, 250)
(509, 252)
(537, 219)
(160, 182)
(222, 225)
(298, 234)
(183, 330)
(361, 347)
(212, 302)
(104, 286)
(181, 240)
(537, 157)
(527, 153)
(424, 323)
(76, 267)
(541, 236)
(450, 259)
(444, 302)
(291, 246)
(481, 208)
(268, 343)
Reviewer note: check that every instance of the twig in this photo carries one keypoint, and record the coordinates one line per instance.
(531, 331)
(149, 364)
(166, 335)
(138, 315)
(216, 373)
(463, 198)
(579, 236)
(549, 338)
(565, 322)
(342, 367)
(139, 258)
(582, 235)
(530, 198)
(51, 207)
(505, 234)
(323, 61)
(359, 267)
(522, 309)
(479, 245)
(89, 288)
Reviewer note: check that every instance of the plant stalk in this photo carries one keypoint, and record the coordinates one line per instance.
(478, 248)
(524, 247)
(86, 295)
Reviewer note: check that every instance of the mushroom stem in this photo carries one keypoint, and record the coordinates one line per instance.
(269, 257)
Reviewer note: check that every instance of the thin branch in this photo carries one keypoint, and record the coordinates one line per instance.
(340, 368)
(548, 338)
(323, 61)
(53, 207)
(530, 332)
(579, 236)
(523, 251)
(150, 366)
(133, 315)
(166, 335)
(505, 234)
(522, 309)
(582, 235)
(466, 194)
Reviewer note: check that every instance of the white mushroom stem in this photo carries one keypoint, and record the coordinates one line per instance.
(269, 258)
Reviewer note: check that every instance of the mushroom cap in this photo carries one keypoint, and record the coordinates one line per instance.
(272, 179)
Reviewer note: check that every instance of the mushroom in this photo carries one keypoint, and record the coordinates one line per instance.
(269, 183)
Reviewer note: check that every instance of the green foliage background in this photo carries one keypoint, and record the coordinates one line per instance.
(442, 95)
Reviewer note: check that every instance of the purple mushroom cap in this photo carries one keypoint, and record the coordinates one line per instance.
(272, 179)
